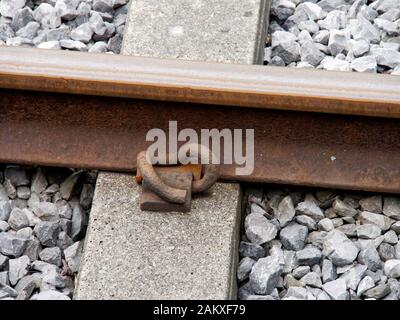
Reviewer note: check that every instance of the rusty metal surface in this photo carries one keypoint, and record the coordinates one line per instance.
(156, 184)
(300, 148)
(150, 201)
(200, 82)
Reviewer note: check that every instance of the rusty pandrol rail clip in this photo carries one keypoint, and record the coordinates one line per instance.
(170, 187)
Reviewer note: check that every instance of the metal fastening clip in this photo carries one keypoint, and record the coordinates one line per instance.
(170, 187)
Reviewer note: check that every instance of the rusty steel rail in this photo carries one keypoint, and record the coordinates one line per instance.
(200, 82)
(314, 128)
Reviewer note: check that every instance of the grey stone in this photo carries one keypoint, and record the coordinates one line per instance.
(378, 292)
(29, 31)
(110, 31)
(340, 250)
(391, 207)
(312, 279)
(326, 225)
(84, 34)
(364, 64)
(6, 32)
(310, 26)
(251, 250)
(79, 223)
(311, 54)
(61, 33)
(39, 182)
(23, 192)
(3, 262)
(21, 18)
(47, 16)
(359, 48)
(99, 47)
(335, 19)
(304, 37)
(32, 218)
(26, 286)
(387, 26)
(328, 271)
(354, 276)
(386, 251)
(11, 244)
(115, 43)
(368, 231)
(265, 275)
(288, 51)
(73, 45)
(5, 210)
(296, 292)
(258, 229)
(18, 219)
(285, 212)
(350, 230)
(397, 251)
(64, 241)
(337, 41)
(243, 271)
(365, 284)
(33, 248)
(293, 236)
(310, 208)
(53, 278)
(68, 185)
(51, 295)
(379, 220)
(103, 5)
(316, 238)
(97, 24)
(8, 8)
(4, 278)
(282, 9)
(47, 233)
(370, 258)
(300, 271)
(336, 289)
(322, 37)
(10, 292)
(26, 232)
(18, 268)
(390, 237)
(365, 243)
(394, 290)
(386, 57)
(10, 189)
(66, 9)
(64, 209)
(307, 221)
(47, 211)
(395, 226)
(4, 226)
(51, 255)
(392, 15)
(290, 261)
(73, 256)
(312, 10)
(361, 28)
(308, 256)
(392, 268)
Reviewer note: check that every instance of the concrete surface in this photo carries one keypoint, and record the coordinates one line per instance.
(206, 30)
(131, 254)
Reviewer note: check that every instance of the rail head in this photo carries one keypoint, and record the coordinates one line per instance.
(200, 82)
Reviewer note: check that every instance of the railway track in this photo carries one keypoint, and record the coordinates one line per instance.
(313, 128)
